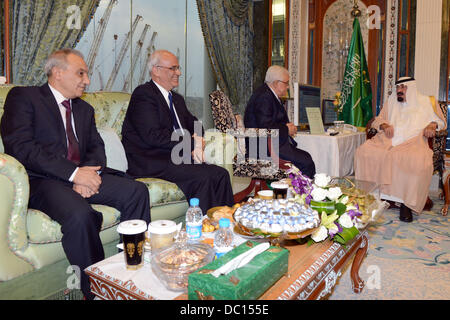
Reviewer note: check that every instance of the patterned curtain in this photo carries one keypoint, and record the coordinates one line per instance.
(41, 26)
(227, 27)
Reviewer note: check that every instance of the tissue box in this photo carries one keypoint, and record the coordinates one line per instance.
(246, 283)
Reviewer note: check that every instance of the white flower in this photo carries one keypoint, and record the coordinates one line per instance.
(321, 180)
(334, 193)
(343, 200)
(320, 234)
(319, 194)
(345, 221)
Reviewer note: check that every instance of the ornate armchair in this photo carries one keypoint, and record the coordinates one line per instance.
(259, 170)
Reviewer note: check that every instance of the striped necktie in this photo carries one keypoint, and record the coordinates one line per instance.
(73, 149)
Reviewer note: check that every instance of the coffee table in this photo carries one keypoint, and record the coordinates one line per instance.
(312, 274)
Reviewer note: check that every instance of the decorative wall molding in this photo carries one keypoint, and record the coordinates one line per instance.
(390, 61)
(294, 39)
(294, 54)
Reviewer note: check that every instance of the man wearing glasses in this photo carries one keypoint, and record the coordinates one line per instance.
(157, 117)
(265, 110)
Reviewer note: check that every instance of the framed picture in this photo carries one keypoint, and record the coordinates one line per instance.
(328, 113)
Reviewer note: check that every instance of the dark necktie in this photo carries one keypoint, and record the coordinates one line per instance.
(73, 149)
(172, 111)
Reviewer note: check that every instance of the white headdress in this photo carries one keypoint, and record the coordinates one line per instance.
(409, 118)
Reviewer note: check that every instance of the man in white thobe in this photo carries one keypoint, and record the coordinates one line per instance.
(398, 158)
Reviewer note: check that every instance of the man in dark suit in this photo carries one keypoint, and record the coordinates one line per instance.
(264, 110)
(52, 132)
(156, 119)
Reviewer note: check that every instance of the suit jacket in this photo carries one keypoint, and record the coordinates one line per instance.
(265, 111)
(148, 127)
(33, 132)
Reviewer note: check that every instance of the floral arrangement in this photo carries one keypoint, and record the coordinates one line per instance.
(338, 214)
(337, 102)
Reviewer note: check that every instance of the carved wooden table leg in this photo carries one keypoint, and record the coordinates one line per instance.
(357, 282)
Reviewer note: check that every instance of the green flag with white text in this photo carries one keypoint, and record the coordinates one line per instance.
(356, 93)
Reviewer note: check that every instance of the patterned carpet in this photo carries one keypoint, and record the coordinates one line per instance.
(405, 260)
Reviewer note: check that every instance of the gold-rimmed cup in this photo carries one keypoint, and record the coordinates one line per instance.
(133, 236)
(265, 194)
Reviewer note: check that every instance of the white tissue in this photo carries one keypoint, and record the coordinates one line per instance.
(241, 260)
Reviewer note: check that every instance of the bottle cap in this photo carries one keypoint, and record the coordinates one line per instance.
(194, 202)
(224, 222)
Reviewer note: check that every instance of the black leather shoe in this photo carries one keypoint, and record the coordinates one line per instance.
(405, 214)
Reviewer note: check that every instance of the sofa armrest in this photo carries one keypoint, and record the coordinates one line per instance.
(14, 190)
(220, 149)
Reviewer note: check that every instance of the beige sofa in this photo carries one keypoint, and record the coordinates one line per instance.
(32, 260)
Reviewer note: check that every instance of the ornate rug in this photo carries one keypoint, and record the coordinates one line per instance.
(405, 260)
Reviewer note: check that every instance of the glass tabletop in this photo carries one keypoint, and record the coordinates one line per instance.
(350, 183)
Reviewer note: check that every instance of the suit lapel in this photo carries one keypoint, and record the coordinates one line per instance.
(163, 103)
(51, 105)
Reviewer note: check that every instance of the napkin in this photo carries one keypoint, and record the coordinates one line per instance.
(241, 260)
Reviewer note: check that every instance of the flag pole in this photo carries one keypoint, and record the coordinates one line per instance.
(356, 12)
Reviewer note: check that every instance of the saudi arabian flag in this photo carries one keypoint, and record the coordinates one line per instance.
(356, 93)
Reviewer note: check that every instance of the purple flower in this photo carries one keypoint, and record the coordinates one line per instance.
(354, 213)
(308, 199)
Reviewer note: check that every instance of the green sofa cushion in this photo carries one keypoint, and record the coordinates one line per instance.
(42, 229)
(162, 192)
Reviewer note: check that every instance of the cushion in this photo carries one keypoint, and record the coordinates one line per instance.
(42, 229)
(222, 111)
(162, 192)
(115, 153)
(260, 169)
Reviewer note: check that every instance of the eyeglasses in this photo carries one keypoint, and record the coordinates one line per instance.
(285, 82)
(174, 68)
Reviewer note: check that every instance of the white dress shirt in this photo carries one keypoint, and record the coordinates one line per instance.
(59, 99)
(165, 94)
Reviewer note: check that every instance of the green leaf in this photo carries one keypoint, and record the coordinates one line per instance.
(346, 235)
(341, 208)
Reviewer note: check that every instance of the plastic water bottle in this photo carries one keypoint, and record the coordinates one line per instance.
(194, 217)
(223, 240)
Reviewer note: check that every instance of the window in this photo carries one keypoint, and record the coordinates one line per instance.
(121, 63)
(117, 38)
(406, 38)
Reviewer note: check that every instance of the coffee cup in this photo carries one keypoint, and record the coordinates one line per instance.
(265, 194)
(280, 190)
(133, 236)
(162, 233)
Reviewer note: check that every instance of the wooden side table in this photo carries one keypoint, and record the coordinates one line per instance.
(312, 273)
